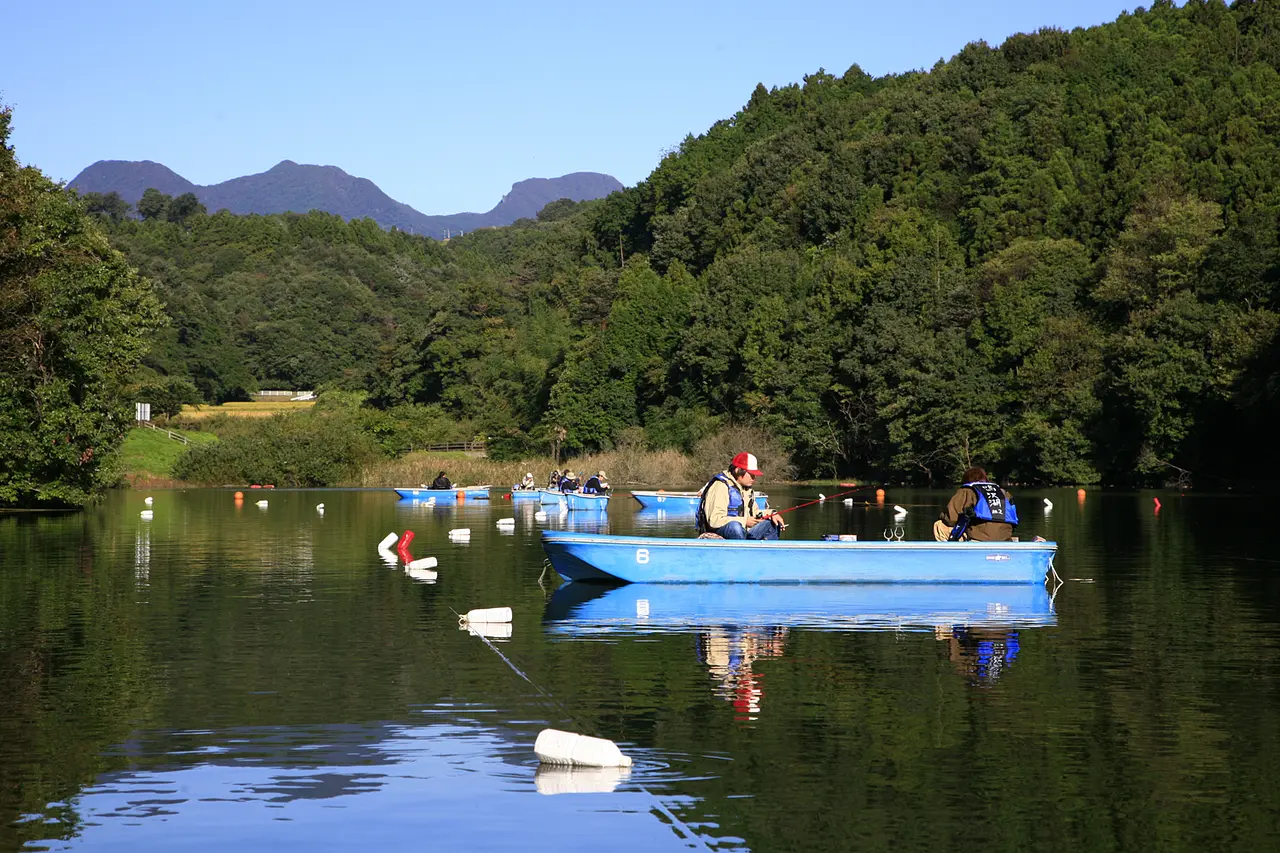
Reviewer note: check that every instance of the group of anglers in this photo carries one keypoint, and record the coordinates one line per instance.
(979, 511)
(568, 481)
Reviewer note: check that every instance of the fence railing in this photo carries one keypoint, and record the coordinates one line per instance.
(173, 435)
(468, 446)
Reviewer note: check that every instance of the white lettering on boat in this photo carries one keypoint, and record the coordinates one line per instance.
(642, 555)
(997, 557)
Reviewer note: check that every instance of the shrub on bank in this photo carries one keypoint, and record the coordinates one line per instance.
(304, 449)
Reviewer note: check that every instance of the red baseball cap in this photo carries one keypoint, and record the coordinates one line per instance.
(747, 462)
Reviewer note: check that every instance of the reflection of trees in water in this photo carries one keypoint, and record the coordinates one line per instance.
(981, 655)
(729, 653)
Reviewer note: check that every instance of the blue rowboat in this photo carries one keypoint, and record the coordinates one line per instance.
(476, 493)
(647, 559)
(577, 501)
(549, 496)
(680, 501)
(444, 497)
(588, 610)
(518, 494)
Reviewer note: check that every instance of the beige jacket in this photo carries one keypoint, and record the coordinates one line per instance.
(990, 531)
(717, 503)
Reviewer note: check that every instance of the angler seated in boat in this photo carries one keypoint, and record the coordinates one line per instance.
(553, 482)
(979, 511)
(441, 482)
(596, 484)
(569, 482)
(728, 506)
(527, 484)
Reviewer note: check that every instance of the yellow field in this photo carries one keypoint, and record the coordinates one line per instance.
(244, 410)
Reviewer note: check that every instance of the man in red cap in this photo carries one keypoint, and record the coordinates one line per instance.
(728, 506)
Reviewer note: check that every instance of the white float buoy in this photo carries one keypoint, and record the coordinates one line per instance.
(320, 507)
(460, 533)
(506, 522)
(148, 500)
(566, 748)
(1048, 504)
(848, 501)
(539, 516)
(147, 514)
(387, 541)
(493, 630)
(421, 575)
(821, 496)
(262, 504)
(487, 614)
(424, 563)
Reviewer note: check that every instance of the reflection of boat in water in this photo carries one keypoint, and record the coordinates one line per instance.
(587, 610)
(652, 559)
(679, 501)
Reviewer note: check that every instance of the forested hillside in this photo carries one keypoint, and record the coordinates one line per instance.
(1058, 257)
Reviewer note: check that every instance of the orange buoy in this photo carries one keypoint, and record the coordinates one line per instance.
(1080, 494)
(462, 494)
(239, 496)
(879, 494)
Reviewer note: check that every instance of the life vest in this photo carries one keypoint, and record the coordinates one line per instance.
(992, 504)
(736, 504)
(592, 486)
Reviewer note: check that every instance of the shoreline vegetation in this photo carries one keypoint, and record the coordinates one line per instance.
(1058, 257)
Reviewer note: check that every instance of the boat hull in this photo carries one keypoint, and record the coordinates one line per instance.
(589, 610)
(680, 501)
(529, 495)
(443, 496)
(549, 496)
(644, 559)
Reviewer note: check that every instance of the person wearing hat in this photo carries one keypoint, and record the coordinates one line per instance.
(527, 483)
(728, 505)
(595, 485)
(568, 482)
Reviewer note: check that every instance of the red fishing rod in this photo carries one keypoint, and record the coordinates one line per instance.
(820, 500)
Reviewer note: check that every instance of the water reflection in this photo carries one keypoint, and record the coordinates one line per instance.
(980, 654)
(729, 653)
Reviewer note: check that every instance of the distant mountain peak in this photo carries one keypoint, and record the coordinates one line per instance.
(290, 186)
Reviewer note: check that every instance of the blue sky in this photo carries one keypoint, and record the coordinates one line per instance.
(443, 105)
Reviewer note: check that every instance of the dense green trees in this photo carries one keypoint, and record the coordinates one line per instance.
(74, 321)
(1060, 257)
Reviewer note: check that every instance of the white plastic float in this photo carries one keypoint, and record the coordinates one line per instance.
(147, 515)
(574, 750)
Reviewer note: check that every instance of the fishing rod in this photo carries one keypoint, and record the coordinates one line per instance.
(820, 500)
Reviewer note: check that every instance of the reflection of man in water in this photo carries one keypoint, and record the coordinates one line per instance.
(729, 652)
(981, 655)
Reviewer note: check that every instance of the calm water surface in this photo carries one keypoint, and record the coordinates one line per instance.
(241, 678)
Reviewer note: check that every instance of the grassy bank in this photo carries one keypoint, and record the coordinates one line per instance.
(243, 410)
(147, 455)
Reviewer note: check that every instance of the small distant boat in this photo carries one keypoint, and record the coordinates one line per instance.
(519, 494)
(476, 493)
(442, 496)
(589, 503)
(646, 559)
(550, 496)
(676, 501)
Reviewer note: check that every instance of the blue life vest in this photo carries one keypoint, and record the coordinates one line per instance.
(735, 501)
(993, 504)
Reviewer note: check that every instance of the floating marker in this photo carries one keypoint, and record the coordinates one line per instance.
(387, 542)
(821, 496)
(506, 522)
(422, 575)
(566, 748)
(460, 533)
(899, 512)
(147, 515)
(539, 516)
(493, 630)
(1048, 505)
(148, 500)
(239, 496)
(262, 504)
(1080, 494)
(424, 563)
(319, 507)
(487, 614)
(1157, 500)
(848, 501)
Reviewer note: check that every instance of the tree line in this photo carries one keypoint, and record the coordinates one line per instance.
(1058, 257)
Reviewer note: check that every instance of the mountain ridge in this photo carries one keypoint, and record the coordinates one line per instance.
(299, 187)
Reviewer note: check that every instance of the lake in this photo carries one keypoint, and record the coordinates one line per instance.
(232, 677)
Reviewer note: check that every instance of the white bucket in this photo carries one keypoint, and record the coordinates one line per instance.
(556, 747)
(488, 614)
(424, 563)
(388, 540)
(421, 575)
(553, 779)
(495, 630)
